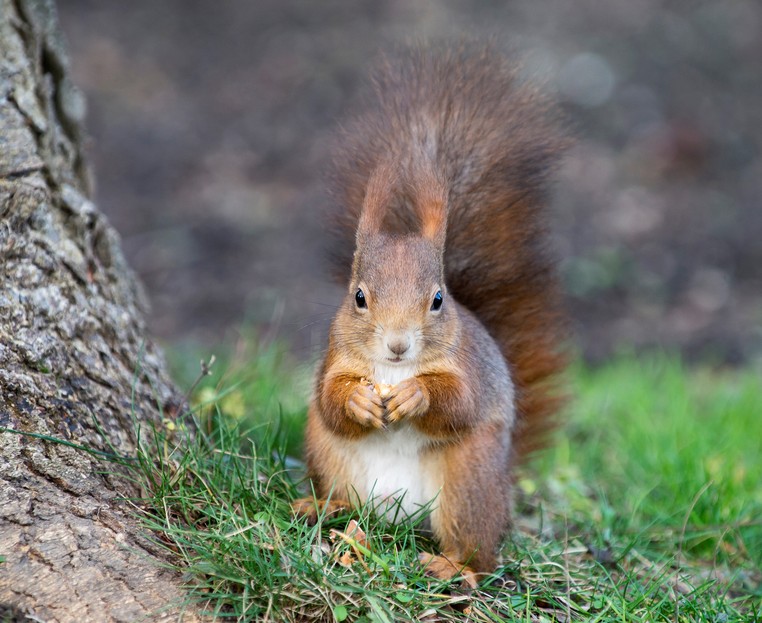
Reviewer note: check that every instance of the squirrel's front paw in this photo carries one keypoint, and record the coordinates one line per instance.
(366, 407)
(409, 398)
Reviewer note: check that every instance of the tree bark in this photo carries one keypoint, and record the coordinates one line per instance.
(75, 362)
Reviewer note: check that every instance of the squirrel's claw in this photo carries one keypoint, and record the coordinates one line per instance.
(446, 567)
(312, 509)
(409, 398)
(366, 407)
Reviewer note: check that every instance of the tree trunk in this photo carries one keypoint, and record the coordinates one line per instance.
(75, 363)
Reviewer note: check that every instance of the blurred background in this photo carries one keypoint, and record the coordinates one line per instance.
(208, 124)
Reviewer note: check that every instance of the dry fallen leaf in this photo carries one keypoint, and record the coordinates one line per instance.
(346, 559)
(354, 531)
(356, 538)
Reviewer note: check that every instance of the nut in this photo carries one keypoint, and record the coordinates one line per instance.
(382, 389)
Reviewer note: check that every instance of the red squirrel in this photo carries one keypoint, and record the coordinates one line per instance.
(441, 360)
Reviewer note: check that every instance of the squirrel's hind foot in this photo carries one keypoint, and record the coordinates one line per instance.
(312, 508)
(444, 567)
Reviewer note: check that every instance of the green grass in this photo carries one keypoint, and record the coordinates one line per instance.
(250, 387)
(670, 448)
(648, 508)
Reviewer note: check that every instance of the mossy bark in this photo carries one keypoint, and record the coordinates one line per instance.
(75, 362)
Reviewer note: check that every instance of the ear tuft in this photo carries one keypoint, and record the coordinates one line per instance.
(428, 190)
(378, 194)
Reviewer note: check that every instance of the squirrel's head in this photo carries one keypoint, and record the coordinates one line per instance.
(397, 310)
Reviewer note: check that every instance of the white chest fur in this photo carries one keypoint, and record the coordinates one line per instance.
(393, 465)
(391, 374)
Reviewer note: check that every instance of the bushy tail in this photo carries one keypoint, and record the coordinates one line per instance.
(495, 139)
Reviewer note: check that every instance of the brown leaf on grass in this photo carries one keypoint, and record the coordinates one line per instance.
(354, 531)
(353, 534)
(356, 538)
(345, 560)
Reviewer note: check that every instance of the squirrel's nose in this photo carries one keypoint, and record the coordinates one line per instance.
(398, 344)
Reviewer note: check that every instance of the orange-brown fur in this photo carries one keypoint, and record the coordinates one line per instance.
(441, 184)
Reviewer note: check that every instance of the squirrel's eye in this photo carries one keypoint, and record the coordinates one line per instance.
(436, 304)
(360, 299)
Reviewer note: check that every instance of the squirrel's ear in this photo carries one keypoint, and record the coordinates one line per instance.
(378, 194)
(429, 193)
